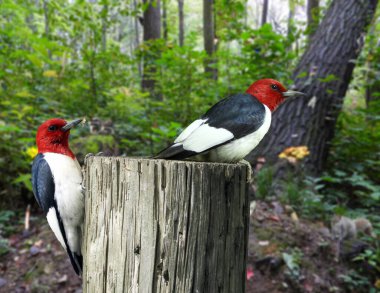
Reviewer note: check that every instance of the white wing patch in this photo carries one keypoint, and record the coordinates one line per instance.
(189, 129)
(205, 137)
(239, 148)
(54, 225)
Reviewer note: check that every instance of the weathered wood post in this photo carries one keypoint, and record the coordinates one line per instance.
(164, 226)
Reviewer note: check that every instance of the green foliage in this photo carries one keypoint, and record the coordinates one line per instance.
(293, 262)
(79, 58)
(372, 257)
(5, 228)
(263, 182)
(354, 280)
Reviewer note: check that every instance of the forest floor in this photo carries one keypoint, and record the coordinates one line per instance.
(286, 254)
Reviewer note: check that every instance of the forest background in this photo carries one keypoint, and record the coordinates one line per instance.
(142, 71)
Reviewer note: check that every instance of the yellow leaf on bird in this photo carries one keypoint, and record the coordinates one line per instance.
(50, 73)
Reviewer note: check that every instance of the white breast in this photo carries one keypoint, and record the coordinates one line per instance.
(68, 194)
(237, 149)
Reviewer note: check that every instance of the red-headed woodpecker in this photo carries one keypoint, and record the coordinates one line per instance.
(233, 127)
(57, 186)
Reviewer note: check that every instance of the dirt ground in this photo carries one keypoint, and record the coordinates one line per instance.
(286, 254)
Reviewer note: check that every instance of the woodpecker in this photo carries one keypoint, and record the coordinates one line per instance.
(233, 127)
(57, 186)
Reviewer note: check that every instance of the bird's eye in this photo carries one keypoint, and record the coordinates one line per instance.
(274, 87)
(53, 128)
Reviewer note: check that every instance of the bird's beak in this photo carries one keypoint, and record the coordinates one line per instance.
(292, 94)
(71, 124)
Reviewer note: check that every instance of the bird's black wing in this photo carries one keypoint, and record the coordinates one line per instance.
(229, 119)
(44, 189)
(43, 183)
(240, 114)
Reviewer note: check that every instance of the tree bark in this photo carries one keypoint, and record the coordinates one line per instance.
(46, 21)
(264, 15)
(324, 73)
(312, 16)
(209, 38)
(137, 37)
(181, 27)
(152, 31)
(165, 19)
(164, 226)
(104, 26)
(292, 10)
(372, 85)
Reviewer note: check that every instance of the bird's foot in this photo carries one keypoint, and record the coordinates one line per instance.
(249, 170)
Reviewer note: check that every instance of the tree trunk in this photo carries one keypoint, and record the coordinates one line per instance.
(165, 19)
(137, 36)
(209, 38)
(292, 10)
(46, 21)
(152, 31)
(324, 73)
(164, 226)
(312, 16)
(104, 14)
(372, 84)
(264, 15)
(181, 28)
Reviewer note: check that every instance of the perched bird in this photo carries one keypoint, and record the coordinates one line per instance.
(57, 186)
(233, 127)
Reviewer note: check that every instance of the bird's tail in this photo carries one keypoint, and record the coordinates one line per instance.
(174, 152)
(76, 261)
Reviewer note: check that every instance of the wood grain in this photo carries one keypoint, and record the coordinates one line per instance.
(164, 226)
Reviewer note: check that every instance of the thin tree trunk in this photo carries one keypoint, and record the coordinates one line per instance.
(264, 15)
(104, 26)
(152, 31)
(372, 87)
(137, 36)
(46, 21)
(209, 38)
(165, 19)
(292, 10)
(181, 28)
(312, 16)
(324, 73)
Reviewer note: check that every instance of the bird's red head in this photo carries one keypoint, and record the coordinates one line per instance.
(270, 92)
(53, 136)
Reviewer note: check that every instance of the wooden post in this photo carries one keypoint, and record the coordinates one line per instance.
(164, 226)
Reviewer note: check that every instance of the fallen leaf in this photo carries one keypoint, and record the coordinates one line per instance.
(49, 268)
(274, 218)
(308, 288)
(264, 243)
(294, 217)
(62, 279)
(34, 250)
(250, 273)
(377, 284)
(39, 243)
(252, 207)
